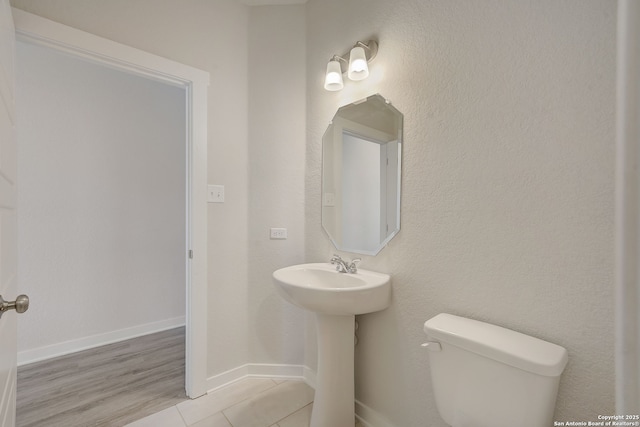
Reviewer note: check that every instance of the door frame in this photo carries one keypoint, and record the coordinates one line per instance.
(40, 31)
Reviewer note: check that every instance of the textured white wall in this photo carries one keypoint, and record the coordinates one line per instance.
(507, 198)
(276, 175)
(101, 198)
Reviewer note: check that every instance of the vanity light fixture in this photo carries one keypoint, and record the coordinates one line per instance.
(358, 67)
(333, 78)
(354, 63)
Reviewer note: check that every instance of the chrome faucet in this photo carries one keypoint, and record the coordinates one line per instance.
(343, 266)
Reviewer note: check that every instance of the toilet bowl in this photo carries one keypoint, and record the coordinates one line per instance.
(484, 375)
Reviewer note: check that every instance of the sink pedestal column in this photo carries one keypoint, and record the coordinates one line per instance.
(333, 405)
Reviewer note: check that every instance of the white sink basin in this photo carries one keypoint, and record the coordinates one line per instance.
(321, 289)
(335, 298)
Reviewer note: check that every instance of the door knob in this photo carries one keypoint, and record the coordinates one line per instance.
(20, 305)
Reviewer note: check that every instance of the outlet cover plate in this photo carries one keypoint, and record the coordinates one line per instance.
(278, 233)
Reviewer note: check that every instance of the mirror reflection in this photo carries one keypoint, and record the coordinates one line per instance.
(361, 158)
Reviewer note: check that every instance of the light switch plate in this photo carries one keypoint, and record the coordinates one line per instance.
(215, 193)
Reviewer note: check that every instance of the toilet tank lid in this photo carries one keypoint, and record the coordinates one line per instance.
(501, 344)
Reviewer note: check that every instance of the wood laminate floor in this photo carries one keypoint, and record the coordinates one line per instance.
(110, 386)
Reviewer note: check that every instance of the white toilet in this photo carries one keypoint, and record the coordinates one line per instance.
(487, 376)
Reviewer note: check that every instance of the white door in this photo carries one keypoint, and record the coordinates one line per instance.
(8, 235)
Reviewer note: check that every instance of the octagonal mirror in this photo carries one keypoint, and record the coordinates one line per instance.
(361, 169)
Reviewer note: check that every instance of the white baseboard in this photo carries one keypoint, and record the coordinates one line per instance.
(309, 377)
(369, 417)
(256, 370)
(60, 349)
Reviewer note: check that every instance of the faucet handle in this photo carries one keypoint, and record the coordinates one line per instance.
(353, 267)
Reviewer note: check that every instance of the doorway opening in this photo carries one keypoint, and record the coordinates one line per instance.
(101, 202)
(192, 83)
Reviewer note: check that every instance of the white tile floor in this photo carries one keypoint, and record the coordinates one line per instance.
(252, 402)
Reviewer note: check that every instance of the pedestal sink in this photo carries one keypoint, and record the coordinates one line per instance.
(335, 298)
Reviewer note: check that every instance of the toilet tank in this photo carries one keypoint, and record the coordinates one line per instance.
(488, 376)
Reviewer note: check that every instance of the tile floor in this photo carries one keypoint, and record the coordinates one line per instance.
(252, 402)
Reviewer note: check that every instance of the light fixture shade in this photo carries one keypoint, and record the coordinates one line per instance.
(333, 78)
(358, 68)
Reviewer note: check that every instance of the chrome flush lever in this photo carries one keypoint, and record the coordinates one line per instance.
(432, 346)
(20, 305)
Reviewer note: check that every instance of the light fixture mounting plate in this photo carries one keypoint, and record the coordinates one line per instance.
(370, 49)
